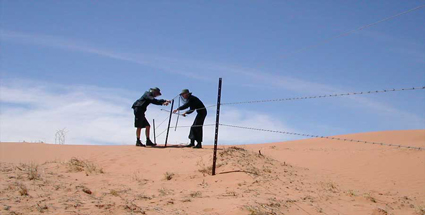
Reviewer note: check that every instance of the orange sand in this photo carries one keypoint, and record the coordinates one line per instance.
(312, 176)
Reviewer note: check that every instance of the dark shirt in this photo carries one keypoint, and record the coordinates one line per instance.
(194, 103)
(147, 98)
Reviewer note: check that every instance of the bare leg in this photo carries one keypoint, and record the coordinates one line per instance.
(138, 131)
(147, 132)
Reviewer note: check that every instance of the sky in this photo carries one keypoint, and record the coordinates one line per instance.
(79, 66)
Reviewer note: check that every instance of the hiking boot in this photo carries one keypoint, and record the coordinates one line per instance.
(192, 143)
(150, 143)
(198, 146)
(139, 143)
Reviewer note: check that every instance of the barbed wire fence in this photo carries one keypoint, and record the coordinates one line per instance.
(323, 137)
(319, 43)
(302, 98)
(217, 125)
(324, 96)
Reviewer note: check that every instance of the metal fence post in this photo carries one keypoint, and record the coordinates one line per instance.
(217, 123)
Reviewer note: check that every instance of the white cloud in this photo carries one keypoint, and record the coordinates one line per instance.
(63, 43)
(34, 111)
(205, 70)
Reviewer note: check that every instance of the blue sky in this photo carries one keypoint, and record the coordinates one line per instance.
(81, 64)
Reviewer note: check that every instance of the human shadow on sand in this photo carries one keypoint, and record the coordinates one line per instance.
(177, 147)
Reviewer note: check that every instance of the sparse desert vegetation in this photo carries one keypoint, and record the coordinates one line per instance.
(196, 194)
(168, 176)
(126, 180)
(29, 170)
(79, 165)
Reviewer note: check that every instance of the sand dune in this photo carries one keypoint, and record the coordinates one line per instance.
(312, 176)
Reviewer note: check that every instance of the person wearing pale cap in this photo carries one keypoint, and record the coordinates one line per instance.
(140, 107)
(194, 103)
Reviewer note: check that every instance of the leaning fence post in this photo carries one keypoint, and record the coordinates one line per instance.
(169, 122)
(217, 122)
(154, 134)
(178, 115)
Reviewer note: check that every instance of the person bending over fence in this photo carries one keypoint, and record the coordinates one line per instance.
(140, 107)
(195, 104)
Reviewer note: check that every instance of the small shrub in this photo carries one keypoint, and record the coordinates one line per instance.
(133, 208)
(253, 170)
(229, 151)
(254, 210)
(143, 197)
(136, 177)
(351, 193)
(30, 170)
(114, 193)
(420, 210)
(165, 192)
(169, 176)
(196, 194)
(370, 198)
(77, 165)
(330, 186)
(23, 190)
(231, 193)
(207, 169)
(41, 208)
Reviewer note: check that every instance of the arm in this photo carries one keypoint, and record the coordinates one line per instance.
(185, 106)
(154, 101)
(190, 111)
(158, 101)
(194, 103)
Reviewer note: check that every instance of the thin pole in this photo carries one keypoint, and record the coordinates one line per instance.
(177, 121)
(217, 122)
(154, 134)
(169, 122)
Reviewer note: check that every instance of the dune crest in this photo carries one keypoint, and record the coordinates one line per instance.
(312, 176)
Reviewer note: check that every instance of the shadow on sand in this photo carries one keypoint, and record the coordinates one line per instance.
(177, 147)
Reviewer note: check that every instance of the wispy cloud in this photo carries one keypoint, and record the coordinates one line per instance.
(191, 68)
(34, 111)
(203, 70)
(71, 45)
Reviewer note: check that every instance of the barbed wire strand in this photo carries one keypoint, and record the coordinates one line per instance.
(185, 126)
(203, 108)
(158, 135)
(323, 137)
(192, 126)
(323, 96)
(169, 112)
(162, 122)
(312, 97)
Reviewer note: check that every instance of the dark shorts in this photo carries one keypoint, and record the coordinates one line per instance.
(140, 120)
